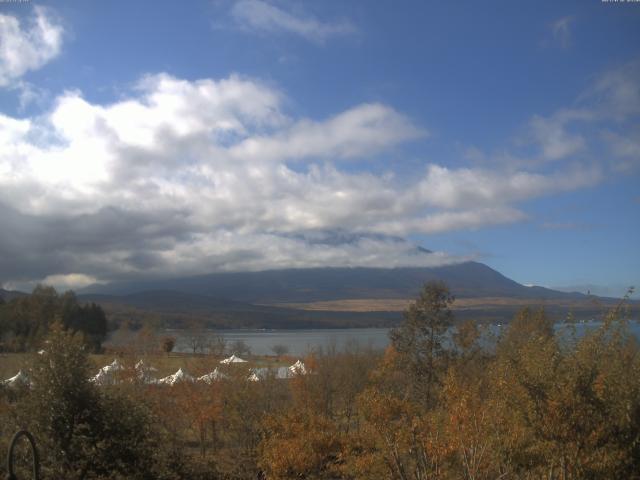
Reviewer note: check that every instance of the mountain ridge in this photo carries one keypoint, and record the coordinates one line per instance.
(7, 295)
(467, 279)
(331, 297)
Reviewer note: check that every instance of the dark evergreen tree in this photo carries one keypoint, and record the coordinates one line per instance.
(25, 321)
(84, 432)
(419, 340)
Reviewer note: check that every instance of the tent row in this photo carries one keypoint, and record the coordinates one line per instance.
(108, 375)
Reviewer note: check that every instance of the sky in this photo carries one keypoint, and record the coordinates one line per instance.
(159, 139)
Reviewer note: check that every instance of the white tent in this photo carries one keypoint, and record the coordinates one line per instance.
(103, 378)
(298, 368)
(144, 372)
(258, 374)
(211, 377)
(141, 366)
(18, 380)
(233, 359)
(106, 375)
(180, 376)
(279, 373)
(114, 366)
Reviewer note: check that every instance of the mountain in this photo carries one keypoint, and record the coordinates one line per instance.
(179, 309)
(466, 280)
(7, 295)
(326, 297)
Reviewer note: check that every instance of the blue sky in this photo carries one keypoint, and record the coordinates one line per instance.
(146, 139)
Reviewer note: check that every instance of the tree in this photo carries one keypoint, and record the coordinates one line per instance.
(239, 347)
(216, 345)
(300, 444)
(89, 319)
(146, 340)
(168, 343)
(419, 339)
(568, 410)
(3, 323)
(27, 319)
(84, 433)
(527, 325)
(469, 356)
(196, 338)
(280, 350)
(468, 431)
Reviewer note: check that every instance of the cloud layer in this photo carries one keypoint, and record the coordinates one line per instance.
(263, 17)
(184, 177)
(28, 45)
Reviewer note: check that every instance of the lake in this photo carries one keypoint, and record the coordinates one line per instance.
(301, 341)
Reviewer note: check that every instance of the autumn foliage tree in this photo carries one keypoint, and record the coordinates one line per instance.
(445, 400)
(570, 410)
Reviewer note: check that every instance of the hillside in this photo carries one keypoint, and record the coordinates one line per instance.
(328, 297)
(179, 310)
(7, 295)
(469, 279)
(323, 297)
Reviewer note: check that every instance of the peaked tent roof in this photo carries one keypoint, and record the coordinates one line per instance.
(211, 376)
(233, 359)
(144, 372)
(103, 377)
(143, 366)
(298, 368)
(180, 376)
(114, 366)
(19, 379)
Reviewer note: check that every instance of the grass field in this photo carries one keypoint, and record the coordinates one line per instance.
(398, 305)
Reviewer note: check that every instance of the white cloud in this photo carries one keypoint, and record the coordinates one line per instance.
(258, 15)
(364, 129)
(446, 221)
(185, 177)
(625, 149)
(70, 281)
(28, 94)
(228, 251)
(28, 45)
(616, 93)
(561, 31)
(467, 188)
(552, 135)
(624, 145)
(613, 96)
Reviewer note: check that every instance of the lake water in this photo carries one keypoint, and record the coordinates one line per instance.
(299, 342)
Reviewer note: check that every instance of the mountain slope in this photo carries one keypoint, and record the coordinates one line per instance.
(179, 309)
(469, 279)
(324, 297)
(7, 295)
